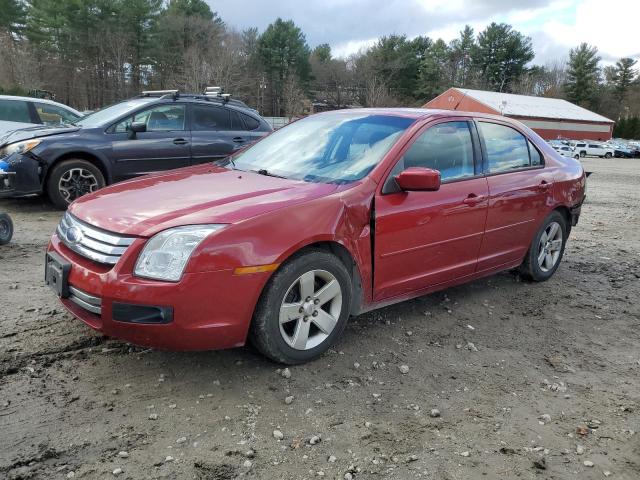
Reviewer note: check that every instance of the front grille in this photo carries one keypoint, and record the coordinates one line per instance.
(92, 242)
(84, 300)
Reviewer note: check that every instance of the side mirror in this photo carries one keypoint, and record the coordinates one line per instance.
(136, 127)
(419, 179)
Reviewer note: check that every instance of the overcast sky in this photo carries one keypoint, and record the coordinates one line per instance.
(555, 26)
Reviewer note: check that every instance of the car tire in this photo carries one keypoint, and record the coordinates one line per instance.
(6, 229)
(71, 179)
(316, 317)
(607, 155)
(551, 239)
(583, 154)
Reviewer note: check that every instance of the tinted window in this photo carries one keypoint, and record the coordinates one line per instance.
(594, 146)
(446, 147)
(506, 148)
(250, 122)
(536, 158)
(54, 115)
(236, 121)
(161, 118)
(210, 118)
(14, 111)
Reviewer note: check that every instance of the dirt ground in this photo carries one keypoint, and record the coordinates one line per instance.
(529, 380)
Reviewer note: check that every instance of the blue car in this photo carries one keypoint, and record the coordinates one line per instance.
(159, 130)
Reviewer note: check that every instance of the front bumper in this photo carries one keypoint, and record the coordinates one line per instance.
(204, 311)
(26, 173)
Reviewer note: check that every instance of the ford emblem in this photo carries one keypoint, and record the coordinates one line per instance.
(74, 235)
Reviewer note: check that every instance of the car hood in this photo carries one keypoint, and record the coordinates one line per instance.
(33, 131)
(8, 127)
(192, 195)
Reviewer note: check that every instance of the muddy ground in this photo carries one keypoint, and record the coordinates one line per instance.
(553, 390)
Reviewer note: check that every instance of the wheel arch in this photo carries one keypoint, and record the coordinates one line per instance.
(348, 260)
(80, 155)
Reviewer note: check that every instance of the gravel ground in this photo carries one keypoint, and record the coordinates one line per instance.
(498, 378)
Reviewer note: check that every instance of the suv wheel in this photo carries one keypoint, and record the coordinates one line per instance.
(546, 249)
(304, 308)
(607, 155)
(6, 229)
(71, 179)
(583, 153)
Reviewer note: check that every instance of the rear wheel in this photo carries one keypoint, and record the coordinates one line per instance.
(304, 308)
(583, 154)
(607, 155)
(6, 229)
(71, 179)
(546, 249)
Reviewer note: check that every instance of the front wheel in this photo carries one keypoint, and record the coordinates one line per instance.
(607, 155)
(546, 249)
(304, 308)
(6, 229)
(71, 179)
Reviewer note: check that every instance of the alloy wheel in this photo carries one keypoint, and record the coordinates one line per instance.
(310, 309)
(550, 246)
(76, 182)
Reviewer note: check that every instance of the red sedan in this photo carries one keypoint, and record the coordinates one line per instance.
(331, 216)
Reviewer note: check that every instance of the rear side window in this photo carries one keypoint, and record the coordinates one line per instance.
(591, 145)
(14, 111)
(506, 148)
(536, 158)
(210, 118)
(446, 147)
(250, 122)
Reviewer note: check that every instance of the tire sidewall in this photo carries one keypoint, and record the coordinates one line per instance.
(537, 273)
(6, 219)
(269, 309)
(59, 169)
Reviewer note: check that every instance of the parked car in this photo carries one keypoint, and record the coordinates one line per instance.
(156, 131)
(335, 214)
(622, 151)
(593, 149)
(567, 151)
(22, 112)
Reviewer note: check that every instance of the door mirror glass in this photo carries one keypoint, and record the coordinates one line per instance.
(419, 179)
(135, 127)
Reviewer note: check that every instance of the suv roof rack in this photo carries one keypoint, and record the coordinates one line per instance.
(210, 94)
(161, 93)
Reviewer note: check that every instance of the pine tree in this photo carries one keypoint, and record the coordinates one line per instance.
(583, 75)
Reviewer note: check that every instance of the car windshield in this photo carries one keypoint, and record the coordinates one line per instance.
(109, 114)
(329, 148)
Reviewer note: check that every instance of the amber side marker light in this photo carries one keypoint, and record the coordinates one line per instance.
(256, 269)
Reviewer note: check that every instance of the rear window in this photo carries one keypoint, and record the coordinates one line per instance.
(14, 111)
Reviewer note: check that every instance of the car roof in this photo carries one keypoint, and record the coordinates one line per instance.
(39, 100)
(417, 113)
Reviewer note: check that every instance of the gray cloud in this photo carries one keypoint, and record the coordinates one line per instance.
(340, 21)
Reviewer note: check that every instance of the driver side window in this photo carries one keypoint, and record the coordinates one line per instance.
(446, 147)
(158, 119)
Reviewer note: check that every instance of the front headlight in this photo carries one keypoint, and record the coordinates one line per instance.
(19, 147)
(165, 256)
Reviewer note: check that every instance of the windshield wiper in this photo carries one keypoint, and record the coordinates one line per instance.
(267, 173)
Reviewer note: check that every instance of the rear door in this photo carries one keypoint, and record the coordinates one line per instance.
(519, 189)
(423, 238)
(164, 146)
(217, 128)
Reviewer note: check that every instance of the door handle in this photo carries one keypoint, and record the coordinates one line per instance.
(544, 186)
(473, 199)
(238, 140)
(180, 141)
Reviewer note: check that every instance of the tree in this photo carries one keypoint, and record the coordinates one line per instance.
(583, 75)
(501, 55)
(12, 15)
(284, 55)
(322, 53)
(623, 76)
(461, 57)
(435, 70)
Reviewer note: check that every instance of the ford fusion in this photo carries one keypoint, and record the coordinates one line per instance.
(331, 216)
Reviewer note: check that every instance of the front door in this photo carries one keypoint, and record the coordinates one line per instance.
(423, 239)
(519, 189)
(164, 146)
